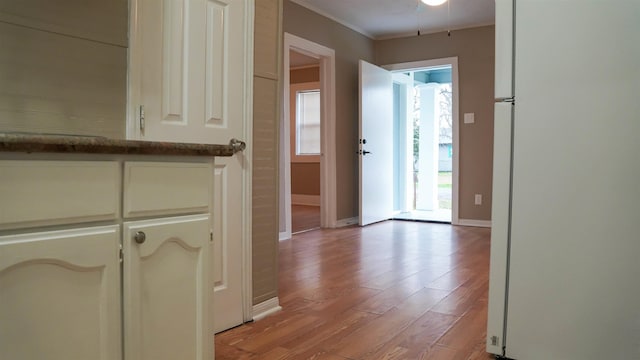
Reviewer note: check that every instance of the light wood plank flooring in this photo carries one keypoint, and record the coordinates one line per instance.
(304, 218)
(392, 290)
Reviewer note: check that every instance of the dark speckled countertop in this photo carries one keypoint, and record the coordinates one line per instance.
(52, 143)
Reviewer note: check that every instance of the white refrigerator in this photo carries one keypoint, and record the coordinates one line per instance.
(565, 244)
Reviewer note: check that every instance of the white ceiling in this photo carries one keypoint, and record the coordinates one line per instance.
(382, 19)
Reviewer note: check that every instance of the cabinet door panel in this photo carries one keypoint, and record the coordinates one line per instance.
(159, 188)
(60, 295)
(37, 193)
(167, 297)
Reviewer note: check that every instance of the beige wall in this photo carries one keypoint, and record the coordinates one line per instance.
(305, 177)
(475, 51)
(63, 66)
(349, 47)
(266, 119)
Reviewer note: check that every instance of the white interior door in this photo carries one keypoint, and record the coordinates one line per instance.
(191, 73)
(375, 144)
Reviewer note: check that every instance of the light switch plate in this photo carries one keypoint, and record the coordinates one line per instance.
(469, 118)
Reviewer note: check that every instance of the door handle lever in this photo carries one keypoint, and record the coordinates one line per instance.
(363, 152)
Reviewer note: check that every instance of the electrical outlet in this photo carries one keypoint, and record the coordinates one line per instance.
(478, 200)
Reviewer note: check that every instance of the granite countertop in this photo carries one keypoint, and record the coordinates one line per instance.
(53, 143)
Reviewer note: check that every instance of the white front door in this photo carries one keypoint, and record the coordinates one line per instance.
(190, 78)
(375, 144)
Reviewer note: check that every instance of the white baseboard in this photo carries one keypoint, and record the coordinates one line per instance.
(347, 222)
(476, 223)
(301, 199)
(284, 235)
(266, 308)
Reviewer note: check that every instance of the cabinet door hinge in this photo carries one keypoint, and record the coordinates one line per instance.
(141, 117)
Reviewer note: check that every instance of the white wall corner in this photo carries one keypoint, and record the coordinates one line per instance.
(347, 222)
(475, 223)
(266, 308)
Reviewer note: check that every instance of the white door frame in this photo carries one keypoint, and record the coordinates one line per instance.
(247, 183)
(453, 61)
(406, 83)
(326, 57)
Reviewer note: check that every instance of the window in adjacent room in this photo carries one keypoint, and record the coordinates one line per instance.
(308, 123)
(305, 122)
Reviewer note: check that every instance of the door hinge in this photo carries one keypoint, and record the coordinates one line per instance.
(141, 117)
(121, 253)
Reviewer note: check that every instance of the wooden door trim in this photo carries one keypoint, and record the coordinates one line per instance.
(247, 183)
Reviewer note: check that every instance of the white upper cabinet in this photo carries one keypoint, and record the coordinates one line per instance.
(189, 70)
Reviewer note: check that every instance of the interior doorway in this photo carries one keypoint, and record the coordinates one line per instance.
(426, 140)
(300, 50)
(304, 139)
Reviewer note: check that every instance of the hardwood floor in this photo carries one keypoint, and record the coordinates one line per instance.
(304, 218)
(392, 290)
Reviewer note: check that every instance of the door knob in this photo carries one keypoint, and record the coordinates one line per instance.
(237, 145)
(140, 237)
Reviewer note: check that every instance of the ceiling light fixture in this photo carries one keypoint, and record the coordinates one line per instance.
(434, 2)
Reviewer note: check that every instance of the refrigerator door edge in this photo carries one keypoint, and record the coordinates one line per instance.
(504, 49)
(501, 205)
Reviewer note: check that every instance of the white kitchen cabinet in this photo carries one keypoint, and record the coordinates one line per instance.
(75, 283)
(60, 294)
(166, 289)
